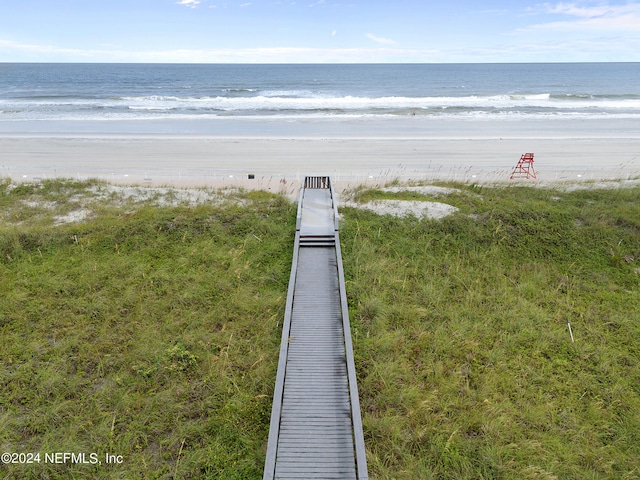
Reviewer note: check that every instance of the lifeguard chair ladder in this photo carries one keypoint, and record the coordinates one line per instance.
(524, 168)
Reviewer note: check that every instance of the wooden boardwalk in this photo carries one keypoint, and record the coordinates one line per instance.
(316, 428)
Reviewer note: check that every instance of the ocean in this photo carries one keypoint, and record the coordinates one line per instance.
(178, 97)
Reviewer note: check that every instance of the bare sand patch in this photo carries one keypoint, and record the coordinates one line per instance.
(162, 196)
(73, 216)
(405, 208)
(432, 190)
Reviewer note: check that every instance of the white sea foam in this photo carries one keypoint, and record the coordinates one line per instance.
(267, 103)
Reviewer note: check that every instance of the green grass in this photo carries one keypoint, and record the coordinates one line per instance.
(465, 361)
(152, 332)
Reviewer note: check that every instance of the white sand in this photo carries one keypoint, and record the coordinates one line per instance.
(278, 164)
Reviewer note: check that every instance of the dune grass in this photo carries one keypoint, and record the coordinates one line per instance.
(151, 331)
(465, 359)
(146, 332)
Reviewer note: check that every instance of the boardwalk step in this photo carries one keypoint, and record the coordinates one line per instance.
(318, 241)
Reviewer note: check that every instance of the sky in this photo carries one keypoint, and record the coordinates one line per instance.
(319, 31)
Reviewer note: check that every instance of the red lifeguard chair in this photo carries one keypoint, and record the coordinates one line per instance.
(524, 168)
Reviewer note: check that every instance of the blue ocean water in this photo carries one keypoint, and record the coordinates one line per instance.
(98, 92)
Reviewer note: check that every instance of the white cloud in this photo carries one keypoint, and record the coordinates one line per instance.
(189, 3)
(589, 17)
(245, 5)
(319, 2)
(10, 47)
(382, 40)
(12, 51)
(334, 33)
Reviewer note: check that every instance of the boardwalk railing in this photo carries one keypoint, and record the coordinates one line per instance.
(316, 427)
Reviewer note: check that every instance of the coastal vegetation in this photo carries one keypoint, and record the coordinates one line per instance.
(499, 342)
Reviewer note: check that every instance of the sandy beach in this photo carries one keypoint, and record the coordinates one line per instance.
(269, 153)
